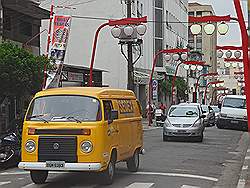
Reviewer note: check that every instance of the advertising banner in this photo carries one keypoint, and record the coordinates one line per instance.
(155, 89)
(60, 35)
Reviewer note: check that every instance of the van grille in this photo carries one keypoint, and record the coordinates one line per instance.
(57, 148)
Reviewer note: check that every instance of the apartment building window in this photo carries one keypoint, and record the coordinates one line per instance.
(199, 42)
(158, 46)
(167, 19)
(158, 30)
(25, 28)
(159, 3)
(227, 71)
(139, 9)
(199, 13)
(133, 7)
(191, 13)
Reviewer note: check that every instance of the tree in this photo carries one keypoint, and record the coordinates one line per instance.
(21, 73)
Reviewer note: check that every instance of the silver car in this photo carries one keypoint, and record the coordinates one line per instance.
(184, 121)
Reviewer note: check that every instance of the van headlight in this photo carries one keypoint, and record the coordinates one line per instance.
(30, 146)
(86, 146)
(223, 115)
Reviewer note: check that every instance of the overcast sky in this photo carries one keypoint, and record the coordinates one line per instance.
(225, 7)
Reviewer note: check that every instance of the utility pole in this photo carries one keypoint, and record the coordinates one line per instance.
(130, 85)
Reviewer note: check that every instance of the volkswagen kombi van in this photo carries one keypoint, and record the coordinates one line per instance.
(81, 129)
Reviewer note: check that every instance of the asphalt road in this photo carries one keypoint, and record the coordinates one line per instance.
(216, 162)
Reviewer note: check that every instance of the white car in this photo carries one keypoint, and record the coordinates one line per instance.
(233, 113)
(184, 121)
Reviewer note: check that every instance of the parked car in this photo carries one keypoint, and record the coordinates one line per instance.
(216, 110)
(185, 120)
(233, 113)
(209, 120)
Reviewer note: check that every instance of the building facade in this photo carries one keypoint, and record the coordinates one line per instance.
(203, 44)
(165, 29)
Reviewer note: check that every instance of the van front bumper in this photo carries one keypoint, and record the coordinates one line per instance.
(67, 167)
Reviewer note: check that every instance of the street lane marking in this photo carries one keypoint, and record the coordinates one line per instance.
(137, 173)
(27, 172)
(247, 157)
(245, 167)
(141, 185)
(175, 175)
(29, 185)
(188, 186)
(5, 183)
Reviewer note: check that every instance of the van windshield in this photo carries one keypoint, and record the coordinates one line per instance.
(234, 103)
(65, 108)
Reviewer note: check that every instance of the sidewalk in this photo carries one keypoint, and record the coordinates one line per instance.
(146, 127)
(244, 180)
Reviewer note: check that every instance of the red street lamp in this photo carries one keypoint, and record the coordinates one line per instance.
(198, 79)
(244, 39)
(197, 64)
(213, 84)
(166, 51)
(220, 90)
(121, 22)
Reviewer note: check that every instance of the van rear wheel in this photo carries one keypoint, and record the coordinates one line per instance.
(134, 162)
(38, 176)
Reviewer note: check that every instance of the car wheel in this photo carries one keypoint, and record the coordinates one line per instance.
(219, 126)
(165, 138)
(200, 138)
(133, 162)
(108, 174)
(38, 176)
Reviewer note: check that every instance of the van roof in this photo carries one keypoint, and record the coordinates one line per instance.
(97, 92)
(236, 96)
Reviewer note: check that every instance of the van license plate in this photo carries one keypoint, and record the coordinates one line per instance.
(234, 122)
(55, 164)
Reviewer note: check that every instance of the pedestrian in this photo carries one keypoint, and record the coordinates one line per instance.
(163, 107)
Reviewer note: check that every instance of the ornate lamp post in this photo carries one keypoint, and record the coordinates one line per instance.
(188, 65)
(244, 39)
(166, 51)
(127, 27)
(214, 84)
(212, 74)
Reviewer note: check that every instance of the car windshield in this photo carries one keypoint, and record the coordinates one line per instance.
(204, 108)
(216, 109)
(64, 108)
(183, 111)
(234, 103)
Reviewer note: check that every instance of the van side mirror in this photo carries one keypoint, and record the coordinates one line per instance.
(202, 116)
(113, 116)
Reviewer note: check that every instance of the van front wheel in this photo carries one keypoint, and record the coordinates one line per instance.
(39, 176)
(108, 174)
(133, 162)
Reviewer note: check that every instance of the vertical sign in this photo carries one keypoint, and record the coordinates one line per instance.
(155, 89)
(61, 29)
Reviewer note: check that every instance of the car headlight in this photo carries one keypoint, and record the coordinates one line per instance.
(167, 124)
(197, 124)
(30, 146)
(86, 146)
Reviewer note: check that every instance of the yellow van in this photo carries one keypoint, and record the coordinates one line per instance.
(81, 129)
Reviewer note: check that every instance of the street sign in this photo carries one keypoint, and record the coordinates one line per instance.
(155, 89)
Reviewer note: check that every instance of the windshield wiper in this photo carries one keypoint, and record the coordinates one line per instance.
(39, 117)
(71, 117)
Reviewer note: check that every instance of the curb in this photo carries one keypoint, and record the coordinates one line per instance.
(244, 170)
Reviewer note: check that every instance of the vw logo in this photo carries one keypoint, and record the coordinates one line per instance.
(56, 146)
